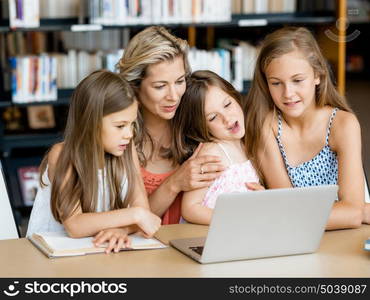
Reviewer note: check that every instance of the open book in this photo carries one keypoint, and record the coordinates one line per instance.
(58, 244)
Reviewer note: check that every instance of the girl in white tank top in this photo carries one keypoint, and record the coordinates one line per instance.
(90, 184)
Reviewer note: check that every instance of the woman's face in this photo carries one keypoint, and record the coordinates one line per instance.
(161, 90)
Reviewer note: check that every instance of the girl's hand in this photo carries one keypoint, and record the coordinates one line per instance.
(117, 238)
(254, 186)
(148, 222)
(197, 172)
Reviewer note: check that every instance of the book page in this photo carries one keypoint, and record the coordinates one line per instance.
(60, 241)
(137, 241)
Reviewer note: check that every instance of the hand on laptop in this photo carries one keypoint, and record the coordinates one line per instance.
(254, 186)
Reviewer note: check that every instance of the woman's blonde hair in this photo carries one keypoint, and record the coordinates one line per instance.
(98, 95)
(151, 46)
(259, 102)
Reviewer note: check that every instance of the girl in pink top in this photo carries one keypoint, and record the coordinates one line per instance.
(210, 113)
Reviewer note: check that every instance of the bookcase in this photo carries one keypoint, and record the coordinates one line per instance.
(24, 146)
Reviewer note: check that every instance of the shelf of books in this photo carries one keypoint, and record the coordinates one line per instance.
(48, 46)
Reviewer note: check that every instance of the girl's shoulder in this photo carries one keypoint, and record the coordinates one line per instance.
(270, 126)
(345, 129)
(52, 159)
(210, 149)
(345, 121)
(54, 153)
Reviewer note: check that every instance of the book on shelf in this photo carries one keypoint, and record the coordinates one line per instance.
(263, 6)
(58, 244)
(24, 13)
(117, 12)
(29, 182)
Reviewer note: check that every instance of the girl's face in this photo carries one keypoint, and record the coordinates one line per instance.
(117, 129)
(162, 88)
(224, 116)
(291, 81)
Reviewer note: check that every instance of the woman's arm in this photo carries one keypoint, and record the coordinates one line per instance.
(186, 178)
(345, 139)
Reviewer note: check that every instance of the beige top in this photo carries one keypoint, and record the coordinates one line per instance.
(340, 254)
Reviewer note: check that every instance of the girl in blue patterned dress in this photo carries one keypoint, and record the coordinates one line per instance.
(304, 132)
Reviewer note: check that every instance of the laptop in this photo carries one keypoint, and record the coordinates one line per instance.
(265, 223)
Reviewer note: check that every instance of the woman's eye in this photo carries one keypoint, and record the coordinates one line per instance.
(180, 81)
(228, 104)
(275, 83)
(158, 87)
(298, 80)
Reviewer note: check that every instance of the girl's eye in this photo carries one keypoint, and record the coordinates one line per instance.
(120, 126)
(275, 83)
(212, 118)
(298, 80)
(180, 81)
(228, 104)
(158, 87)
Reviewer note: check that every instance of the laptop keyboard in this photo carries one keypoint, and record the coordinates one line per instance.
(197, 249)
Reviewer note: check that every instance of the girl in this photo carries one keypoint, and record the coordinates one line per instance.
(304, 132)
(210, 113)
(89, 184)
(155, 63)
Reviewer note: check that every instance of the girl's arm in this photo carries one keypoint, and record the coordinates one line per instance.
(270, 159)
(346, 140)
(192, 208)
(348, 212)
(186, 178)
(81, 224)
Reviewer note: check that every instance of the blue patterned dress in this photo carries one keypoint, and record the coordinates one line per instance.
(321, 169)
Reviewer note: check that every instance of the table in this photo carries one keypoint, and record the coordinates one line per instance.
(340, 254)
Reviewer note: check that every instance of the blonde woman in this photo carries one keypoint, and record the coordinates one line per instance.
(155, 64)
(89, 184)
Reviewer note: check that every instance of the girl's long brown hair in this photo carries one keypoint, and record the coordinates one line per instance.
(98, 95)
(190, 124)
(153, 45)
(259, 102)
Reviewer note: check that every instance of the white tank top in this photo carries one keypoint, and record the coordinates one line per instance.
(42, 220)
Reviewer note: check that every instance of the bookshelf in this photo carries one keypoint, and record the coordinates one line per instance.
(23, 148)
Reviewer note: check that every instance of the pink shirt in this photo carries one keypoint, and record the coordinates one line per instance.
(233, 179)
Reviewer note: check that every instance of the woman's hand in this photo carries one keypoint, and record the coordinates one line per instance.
(117, 238)
(198, 171)
(254, 186)
(148, 222)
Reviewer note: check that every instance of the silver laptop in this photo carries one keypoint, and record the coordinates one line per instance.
(263, 224)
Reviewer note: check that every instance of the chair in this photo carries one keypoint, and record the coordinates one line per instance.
(8, 227)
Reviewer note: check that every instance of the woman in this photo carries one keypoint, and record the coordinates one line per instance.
(155, 63)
